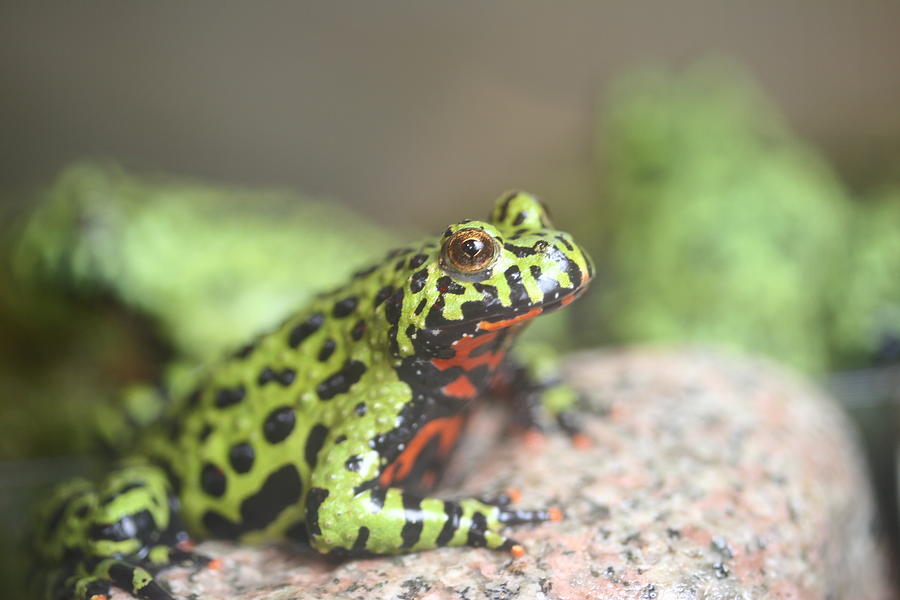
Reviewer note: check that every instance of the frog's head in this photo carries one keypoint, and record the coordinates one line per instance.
(485, 277)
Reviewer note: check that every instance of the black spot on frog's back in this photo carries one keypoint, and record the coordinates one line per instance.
(305, 329)
(241, 457)
(212, 480)
(314, 442)
(230, 396)
(279, 424)
(417, 281)
(281, 489)
(341, 381)
(344, 307)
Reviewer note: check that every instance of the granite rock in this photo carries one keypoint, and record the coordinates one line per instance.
(709, 478)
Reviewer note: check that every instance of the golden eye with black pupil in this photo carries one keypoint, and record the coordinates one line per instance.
(469, 251)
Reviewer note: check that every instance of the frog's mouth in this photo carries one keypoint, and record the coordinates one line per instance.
(555, 302)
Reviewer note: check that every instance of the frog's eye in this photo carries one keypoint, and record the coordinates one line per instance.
(469, 251)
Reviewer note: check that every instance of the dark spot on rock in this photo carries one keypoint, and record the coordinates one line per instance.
(721, 570)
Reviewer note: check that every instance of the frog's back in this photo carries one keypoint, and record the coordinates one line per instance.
(240, 449)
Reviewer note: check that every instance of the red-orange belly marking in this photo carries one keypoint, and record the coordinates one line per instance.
(447, 429)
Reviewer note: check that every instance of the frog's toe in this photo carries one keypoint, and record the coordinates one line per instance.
(534, 439)
(569, 423)
(504, 498)
(85, 588)
(519, 517)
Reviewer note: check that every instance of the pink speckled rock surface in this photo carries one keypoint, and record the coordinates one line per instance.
(709, 478)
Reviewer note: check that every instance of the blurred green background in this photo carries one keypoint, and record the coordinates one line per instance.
(176, 177)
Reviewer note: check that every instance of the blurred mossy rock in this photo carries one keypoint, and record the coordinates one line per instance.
(709, 478)
(719, 226)
(866, 296)
(212, 266)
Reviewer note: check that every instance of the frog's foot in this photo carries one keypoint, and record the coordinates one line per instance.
(118, 532)
(568, 421)
(118, 572)
(541, 398)
(504, 498)
(391, 521)
(182, 553)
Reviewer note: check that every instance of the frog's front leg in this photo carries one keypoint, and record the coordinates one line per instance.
(351, 507)
(530, 378)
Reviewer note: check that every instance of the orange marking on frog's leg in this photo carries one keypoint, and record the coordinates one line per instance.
(517, 550)
(447, 429)
(494, 325)
(567, 300)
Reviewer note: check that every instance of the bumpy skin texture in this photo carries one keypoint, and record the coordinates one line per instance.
(331, 428)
